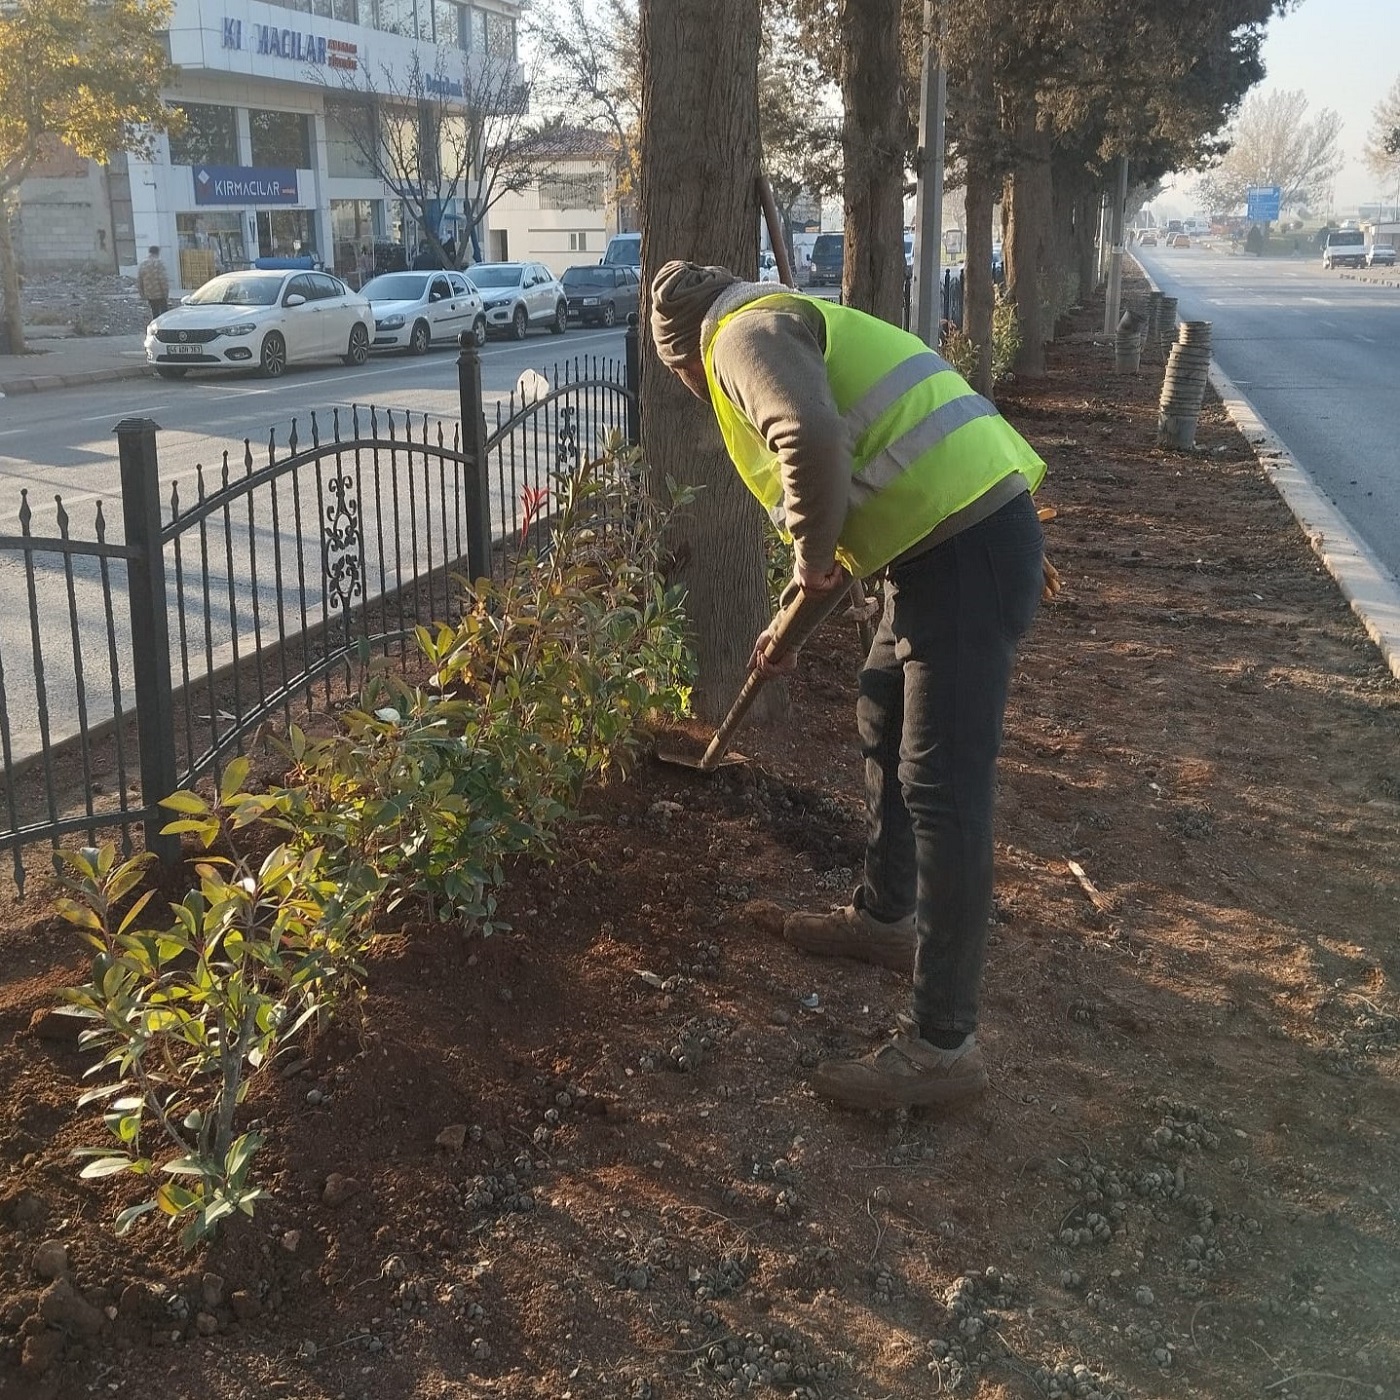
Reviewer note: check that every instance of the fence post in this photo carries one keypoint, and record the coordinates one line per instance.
(634, 381)
(477, 483)
(150, 627)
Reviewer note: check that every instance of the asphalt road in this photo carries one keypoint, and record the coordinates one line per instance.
(61, 443)
(1318, 355)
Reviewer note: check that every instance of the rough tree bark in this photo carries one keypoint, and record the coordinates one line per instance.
(699, 164)
(1026, 211)
(872, 151)
(979, 290)
(9, 283)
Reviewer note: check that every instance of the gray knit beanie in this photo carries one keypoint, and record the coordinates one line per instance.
(681, 294)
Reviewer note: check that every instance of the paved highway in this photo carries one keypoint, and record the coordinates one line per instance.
(1318, 355)
(61, 443)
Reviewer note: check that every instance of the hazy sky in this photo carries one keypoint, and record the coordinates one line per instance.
(1343, 54)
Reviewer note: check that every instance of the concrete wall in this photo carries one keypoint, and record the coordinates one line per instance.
(64, 220)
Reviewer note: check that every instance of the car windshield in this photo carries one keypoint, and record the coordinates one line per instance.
(500, 276)
(586, 277)
(828, 245)
(396, 286)
(1347, 239)
(236, 290)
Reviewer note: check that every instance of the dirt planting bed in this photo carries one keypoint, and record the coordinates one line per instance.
(579, 1159)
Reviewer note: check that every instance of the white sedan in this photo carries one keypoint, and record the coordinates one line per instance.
(413, 309)
(262, 320)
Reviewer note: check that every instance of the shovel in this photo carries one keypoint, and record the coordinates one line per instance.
(790, 630)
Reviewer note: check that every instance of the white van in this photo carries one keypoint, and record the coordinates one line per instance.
(623, 250)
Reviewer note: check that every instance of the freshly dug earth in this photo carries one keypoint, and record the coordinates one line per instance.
(534, 1171)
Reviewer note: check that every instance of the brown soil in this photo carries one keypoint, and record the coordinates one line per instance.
(1183, 1182)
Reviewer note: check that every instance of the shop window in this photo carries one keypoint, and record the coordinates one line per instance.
(500, 36)
(285, 233)
(209, 136)
(473, 33)
(397, 17)
(446, 23)
(352, 240)
(281, 140)
(350, 139)
(209, 243)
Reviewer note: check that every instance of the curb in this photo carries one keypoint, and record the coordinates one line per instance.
(1366, 583)
(40, 383)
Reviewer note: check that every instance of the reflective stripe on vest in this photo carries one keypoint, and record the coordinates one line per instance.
(924, 445)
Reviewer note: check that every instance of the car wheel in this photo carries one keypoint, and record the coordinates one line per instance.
(273, 359)
(519, 323)
(421, 338)
(561, 319)
(358, 352)
(479, 331)
(171, 371)
(610, 315)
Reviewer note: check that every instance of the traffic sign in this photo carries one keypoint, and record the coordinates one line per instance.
(1263, 204)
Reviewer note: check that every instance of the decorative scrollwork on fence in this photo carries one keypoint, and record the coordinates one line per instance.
(341, 542)
(566, 439)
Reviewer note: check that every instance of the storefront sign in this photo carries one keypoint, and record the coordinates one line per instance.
(243, 184)
(267, 40)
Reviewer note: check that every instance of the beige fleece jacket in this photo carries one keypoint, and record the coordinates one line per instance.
(771, 363)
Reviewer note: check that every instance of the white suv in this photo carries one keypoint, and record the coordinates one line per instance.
(1380, 255)
(1345, 247)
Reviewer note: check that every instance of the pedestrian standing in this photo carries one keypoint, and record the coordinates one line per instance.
(874, 454)
(153, 282)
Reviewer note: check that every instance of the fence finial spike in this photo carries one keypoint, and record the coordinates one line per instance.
(247, 456)
(224, 473)
(271, 446)
(101, 524)
(335, 424)
(315, 430)
(199, 478)
(292, 439)
(25, 514)
(62, 516)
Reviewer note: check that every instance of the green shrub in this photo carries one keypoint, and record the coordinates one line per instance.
(189, 1013)
(424, 792)
(960, 351)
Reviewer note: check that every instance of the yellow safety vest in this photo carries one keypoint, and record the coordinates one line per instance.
(925, 445)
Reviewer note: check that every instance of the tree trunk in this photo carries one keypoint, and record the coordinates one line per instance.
(872, 151)
(1086, 223)
(9, 281)
(1027, 214)
(699, 166)
(979, 289)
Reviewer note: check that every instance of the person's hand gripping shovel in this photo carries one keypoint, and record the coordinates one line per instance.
(815, 598)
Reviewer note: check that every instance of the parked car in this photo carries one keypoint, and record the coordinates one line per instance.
(1380, 255)
(518, 295)
(1345, 247)
(266, 320)
(600, 295)
(828, 260)
(413, 309)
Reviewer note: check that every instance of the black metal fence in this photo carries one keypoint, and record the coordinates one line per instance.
(239, 596)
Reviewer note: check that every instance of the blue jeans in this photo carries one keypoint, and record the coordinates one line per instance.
(932, 698)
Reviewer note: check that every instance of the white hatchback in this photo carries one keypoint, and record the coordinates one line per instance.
(413, 309)
(261, 320)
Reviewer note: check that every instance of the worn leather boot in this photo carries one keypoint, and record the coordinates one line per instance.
(906, 1073)
(849, 932)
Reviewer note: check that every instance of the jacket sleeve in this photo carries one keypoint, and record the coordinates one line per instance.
(770, 364)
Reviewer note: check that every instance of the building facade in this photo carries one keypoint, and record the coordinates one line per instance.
(270, 160)
(567, 215)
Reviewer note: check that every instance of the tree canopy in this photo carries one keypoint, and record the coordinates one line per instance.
(1382, 150)
(87, 73)
(1274, 142)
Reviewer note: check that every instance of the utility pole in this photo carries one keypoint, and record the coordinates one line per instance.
(928, 202)
(1115, 264)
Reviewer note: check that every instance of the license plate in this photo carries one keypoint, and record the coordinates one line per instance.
(184, 349)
